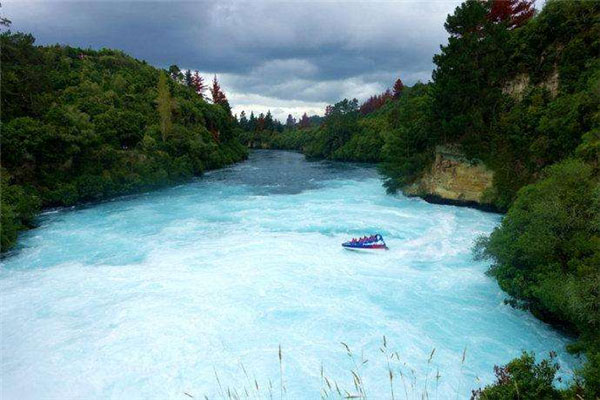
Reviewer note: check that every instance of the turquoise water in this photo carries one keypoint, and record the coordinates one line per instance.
(148, 296)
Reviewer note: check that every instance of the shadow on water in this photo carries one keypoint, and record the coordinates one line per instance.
(286, 172)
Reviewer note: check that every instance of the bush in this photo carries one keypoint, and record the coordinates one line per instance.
(523, 379)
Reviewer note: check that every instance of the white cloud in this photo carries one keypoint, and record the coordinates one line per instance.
(242, 99)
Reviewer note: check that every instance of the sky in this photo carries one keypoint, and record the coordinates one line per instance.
(287, 57)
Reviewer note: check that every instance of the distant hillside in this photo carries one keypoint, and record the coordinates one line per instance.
(82, 125)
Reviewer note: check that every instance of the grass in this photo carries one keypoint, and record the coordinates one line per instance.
(402, 380)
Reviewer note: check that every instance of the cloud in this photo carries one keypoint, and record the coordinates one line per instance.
(280, 55)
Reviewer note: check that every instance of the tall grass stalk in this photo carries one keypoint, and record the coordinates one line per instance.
(462, 363)
(356, 377)
(425, 388)
(384, 350)
(281, 386)
(437, 382)
(413, 387)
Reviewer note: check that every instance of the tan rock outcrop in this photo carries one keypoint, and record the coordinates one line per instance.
(454, 179)
(517, 86)
(552, 83)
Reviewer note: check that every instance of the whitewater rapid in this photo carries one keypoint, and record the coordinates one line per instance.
(153, 296)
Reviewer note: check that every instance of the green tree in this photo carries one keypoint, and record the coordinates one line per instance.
(164, 106)
(409, 142)
(189, 78)
(339, 125)
(176, 73)
(469, 74)
(269, 123)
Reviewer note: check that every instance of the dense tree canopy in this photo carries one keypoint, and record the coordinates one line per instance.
(81, 125)
(546, 255)
(410, 138)
(375, 102)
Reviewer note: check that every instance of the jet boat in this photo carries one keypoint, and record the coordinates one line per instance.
(367, 243)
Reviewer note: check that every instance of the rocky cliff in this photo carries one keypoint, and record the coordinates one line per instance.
(521, 83)
(453, 179)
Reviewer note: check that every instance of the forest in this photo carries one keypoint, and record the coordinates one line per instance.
(80, 125)
(519, 90)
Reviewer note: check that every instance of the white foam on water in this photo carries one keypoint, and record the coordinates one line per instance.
(145, 297)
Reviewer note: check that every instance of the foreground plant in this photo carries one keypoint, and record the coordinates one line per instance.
(409, 387)
(523, 379)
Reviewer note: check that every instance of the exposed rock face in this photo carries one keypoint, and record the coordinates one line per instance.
(455, 180)
(552, 83)
(517, 86)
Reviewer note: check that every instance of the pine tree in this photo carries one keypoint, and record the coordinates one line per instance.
(198, 84)
(278, 126)
(175, 73)
(304, 122)
(189, 79)
(290, 123)
(252, 122)
(217, 94)
(398, 88)
(243, 121)
(260, 122)
(269, 123)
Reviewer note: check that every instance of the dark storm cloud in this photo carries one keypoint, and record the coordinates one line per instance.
(306, 51)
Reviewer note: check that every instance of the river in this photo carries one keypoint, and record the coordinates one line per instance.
(156, 295)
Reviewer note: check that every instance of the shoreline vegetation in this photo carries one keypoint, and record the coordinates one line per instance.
(516, 89)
